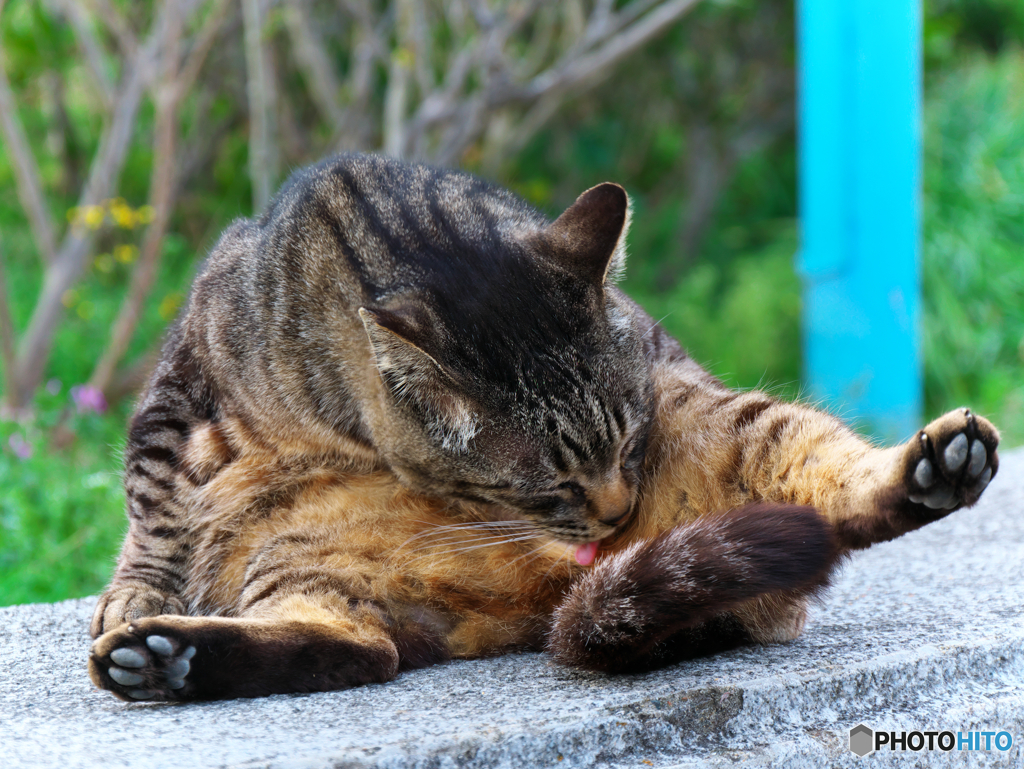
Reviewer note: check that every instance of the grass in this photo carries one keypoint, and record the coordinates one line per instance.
(737, 309)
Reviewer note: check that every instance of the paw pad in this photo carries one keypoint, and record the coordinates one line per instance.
(978, 459)
(956, 453)
(952, 461)
(142, 667)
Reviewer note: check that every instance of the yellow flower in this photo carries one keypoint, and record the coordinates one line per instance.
(123, 215)
(126, 254)
(145, 214)
(169, 305)
(104, 263)
(93, 217)
(69, 298)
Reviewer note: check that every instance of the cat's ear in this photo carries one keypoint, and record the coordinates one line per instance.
(590, 236)
(410, 373)
(398, 338)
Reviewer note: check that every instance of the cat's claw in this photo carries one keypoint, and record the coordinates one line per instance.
(137, 666)
(951, 462)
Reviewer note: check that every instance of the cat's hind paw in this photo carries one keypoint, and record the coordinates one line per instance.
(136, 665)
(949, 463)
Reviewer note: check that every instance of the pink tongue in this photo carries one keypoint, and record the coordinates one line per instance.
(585, 554)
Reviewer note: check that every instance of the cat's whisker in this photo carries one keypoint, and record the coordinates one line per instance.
(450, 532)
(469, 526)
(554, 562)
(457, 541)
(533, 555)
(492, 543)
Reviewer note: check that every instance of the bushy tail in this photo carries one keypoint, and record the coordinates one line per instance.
(624, 613)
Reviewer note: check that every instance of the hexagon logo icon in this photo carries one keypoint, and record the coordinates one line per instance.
(862, 740)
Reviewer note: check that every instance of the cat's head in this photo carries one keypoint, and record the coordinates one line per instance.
(517, 377)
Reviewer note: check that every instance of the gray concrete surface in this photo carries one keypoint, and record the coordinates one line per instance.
(922, 633)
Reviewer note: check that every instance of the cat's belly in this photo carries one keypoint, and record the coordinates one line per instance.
(485, 585)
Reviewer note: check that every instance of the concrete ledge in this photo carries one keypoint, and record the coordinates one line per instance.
(923, 633)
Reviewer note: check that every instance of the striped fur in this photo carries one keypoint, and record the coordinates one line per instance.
(401, 404)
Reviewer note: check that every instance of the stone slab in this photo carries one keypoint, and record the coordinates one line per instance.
(921, 633)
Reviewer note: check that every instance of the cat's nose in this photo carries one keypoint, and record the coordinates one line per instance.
(615, 521)
(612, 501)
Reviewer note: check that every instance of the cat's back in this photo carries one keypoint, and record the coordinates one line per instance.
(273, 318)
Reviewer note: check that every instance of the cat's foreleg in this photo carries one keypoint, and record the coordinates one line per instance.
(168, 452)
(300, 649)
(311, 616)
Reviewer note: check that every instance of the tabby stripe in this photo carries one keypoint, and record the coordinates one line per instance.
(145, 501)
(620, 420)
(155, 453)
(609, 434)
(159, 577)
(574, 447)
(139, 470)
(751, 411)
(157, 421)
(682, 394)
(164, 532)
(773, 437)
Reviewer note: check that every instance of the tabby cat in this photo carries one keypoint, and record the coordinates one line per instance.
(404, 418)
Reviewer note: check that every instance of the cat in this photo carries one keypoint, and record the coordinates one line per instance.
(404, 418)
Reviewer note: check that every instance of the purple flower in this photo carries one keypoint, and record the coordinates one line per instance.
(88, 398)
(21, 448)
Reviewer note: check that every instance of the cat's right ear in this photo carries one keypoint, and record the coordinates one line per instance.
(589, 238)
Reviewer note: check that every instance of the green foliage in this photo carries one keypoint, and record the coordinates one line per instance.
(742, 321)
(62, 510)
(974, 242)
(735, 302)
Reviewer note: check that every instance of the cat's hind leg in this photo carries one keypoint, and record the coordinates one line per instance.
(716, 449)
(944, 467)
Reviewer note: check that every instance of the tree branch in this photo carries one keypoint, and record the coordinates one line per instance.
(204, 40)
(70, 261)
(11, 397)
(161, 198)
(313, 61)
(92, 51)
(573, 71)
(262, 145)
(116, 24)
(26, 171)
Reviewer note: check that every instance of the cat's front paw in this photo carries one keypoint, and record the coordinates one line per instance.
(129, 601)
(143, 662)
(949, 463)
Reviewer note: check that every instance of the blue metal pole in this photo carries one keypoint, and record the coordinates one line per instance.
(860, 211)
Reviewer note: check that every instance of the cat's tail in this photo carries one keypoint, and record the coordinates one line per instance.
(631, 609)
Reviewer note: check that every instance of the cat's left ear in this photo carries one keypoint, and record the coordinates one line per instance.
(589, 237)
(398, 340)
